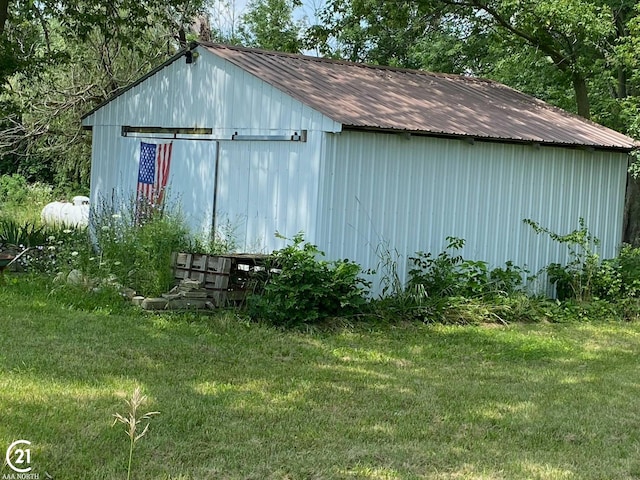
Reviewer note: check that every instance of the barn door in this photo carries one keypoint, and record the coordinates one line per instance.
(191, 184)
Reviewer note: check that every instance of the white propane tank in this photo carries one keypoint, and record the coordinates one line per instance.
(67, 214)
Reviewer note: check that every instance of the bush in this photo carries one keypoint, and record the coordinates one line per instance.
(305, 289)
(576, 279)
(585, 278)
(619, 278)
(15, 191)
(449, 274)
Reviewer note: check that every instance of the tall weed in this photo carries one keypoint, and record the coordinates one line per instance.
(116, 252)
(138, 253)
(448, 274)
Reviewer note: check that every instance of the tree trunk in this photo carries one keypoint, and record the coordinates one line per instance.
(4, 14)
(620, 17)
(622, 83)
(582, 97)
(631, 231)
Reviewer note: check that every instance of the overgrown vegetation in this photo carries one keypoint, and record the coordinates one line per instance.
(574, 280)
(450, 289)
(300, 287)
(119, 251)
(20, 201)
(449, 274)
(125, 254)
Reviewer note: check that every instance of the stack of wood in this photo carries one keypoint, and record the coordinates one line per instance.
(227, 278)
(187, 295)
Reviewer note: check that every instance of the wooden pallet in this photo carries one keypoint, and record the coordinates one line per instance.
(227, 278)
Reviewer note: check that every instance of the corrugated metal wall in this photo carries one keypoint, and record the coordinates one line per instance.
(114, 175)
(265, 187)
(262, 186)
(213, 93)
(413, 193)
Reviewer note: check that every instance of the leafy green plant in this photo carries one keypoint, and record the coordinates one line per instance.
(576, 278)
(438, 275)
(132, 421)
(619, 278)
(449, 274)
(306, 289)
(13, 189)
(138, 253)
(23, 200)
(21, 235)
(508, 280)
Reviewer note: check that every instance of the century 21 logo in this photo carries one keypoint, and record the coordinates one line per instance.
(19, 457)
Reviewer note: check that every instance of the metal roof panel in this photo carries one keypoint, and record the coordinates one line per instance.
(367, 96)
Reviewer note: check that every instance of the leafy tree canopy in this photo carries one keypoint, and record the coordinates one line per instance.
(545, 47)
(59, 59)
(269, 24)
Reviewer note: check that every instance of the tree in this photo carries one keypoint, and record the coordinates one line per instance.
(59, 59)
(269, 24)
(578, 38)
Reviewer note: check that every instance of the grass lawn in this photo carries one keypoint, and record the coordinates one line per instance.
(240, 400)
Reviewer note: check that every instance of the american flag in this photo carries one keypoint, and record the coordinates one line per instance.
(155, 160)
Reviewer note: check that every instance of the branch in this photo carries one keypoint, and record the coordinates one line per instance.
(4, 14)
(558, 58)
(43, 24)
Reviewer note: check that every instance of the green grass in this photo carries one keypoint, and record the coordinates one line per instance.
(245, 401)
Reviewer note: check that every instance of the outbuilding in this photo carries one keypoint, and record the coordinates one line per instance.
(360, 158)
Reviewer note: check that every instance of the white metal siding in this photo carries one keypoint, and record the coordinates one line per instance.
(413, 193)
(211, 93)
(268, 187)
(114, 176)
(262, 187)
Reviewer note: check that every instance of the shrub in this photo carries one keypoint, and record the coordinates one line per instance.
(586, 278)
(449, 274)
(21, 202)
(13, 189)
(23, 198)
(21, 234)
(306, 289)
(619, 278)
(575, 280)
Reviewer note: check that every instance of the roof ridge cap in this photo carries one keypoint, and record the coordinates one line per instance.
(348, 63)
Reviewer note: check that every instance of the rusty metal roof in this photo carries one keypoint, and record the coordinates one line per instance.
(375, 97)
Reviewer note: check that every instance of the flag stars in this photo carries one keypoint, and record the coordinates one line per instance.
(147, 164)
